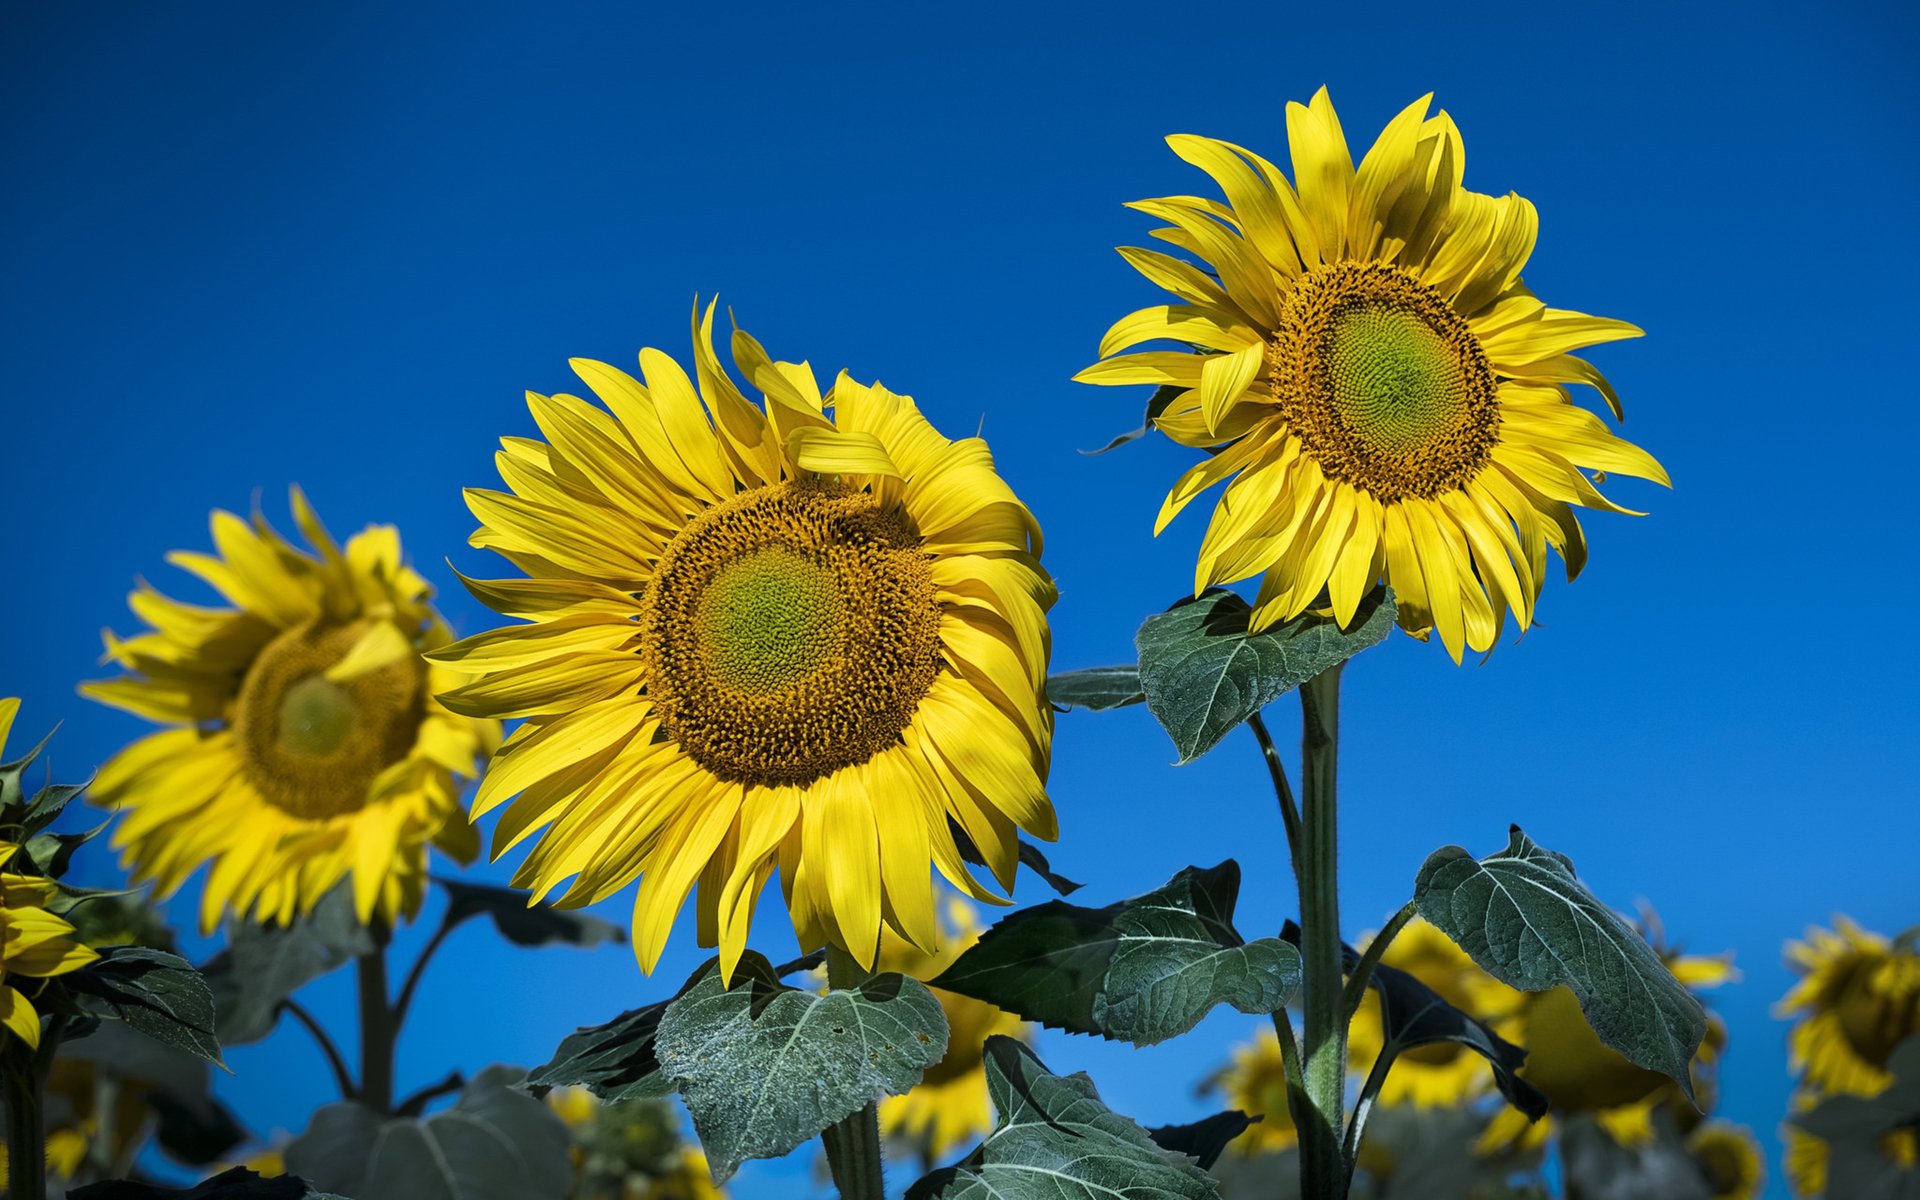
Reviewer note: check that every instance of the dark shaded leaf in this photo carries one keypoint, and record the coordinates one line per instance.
(764, 1067)
(1142, 970)
(236, 1184)
(1096, 689)
(1030, 857)
(616, 1061)
(1523, 916)
(1206, 1139)
(156, 993)
(495, 1143)
(1156, 404)
(1055, 1141)
(1413, 1015)
(194, 1127)
(539, 925)
(51, 852)
(264, 965)
(1203, 673)
(1855, 1129)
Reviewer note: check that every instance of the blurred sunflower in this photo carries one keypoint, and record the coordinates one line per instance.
(1255, 1083)
(1729, 1157)
(34, 943)
(1387, 396)
(306, 743)
(759, 636)
(949, 1107)
(1858, 998)
(1578, 1073)
(687, 1178)
(1806, 1155)
(1445, 1073)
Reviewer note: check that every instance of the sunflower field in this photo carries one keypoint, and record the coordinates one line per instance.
(611, 602)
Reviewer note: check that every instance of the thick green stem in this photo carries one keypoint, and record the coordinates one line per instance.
(1324, 1043)
(26, 1135)
(377, 1028)
(853, 1145)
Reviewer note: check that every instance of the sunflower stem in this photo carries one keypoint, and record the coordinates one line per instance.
(853, 1145)
(26, 1133)
(1323, 1163)
(377, 1027)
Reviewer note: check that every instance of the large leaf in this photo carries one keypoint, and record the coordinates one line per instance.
(1523, 916)
(1142, 970)
(1855, 1129)
(521, 924)
(1054, 1140)
(263, 965)
(1203, 673)
(237, 1183)
(495, 1143)
(1096, 689)
(156, 993)
(764, 1067)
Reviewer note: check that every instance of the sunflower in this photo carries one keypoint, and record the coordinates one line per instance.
(1255, 1083)
(1445, 1073)
(687, 1178)
(34, 943)
(306, 745)
(949, 1106)
(759, 636)
(1806, 1155)
(1387, 396)
(1858, 998)
(1578, 1073)
(1729, 1157)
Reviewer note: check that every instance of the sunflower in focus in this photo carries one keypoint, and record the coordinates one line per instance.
(1445, 1073)
(1388, 399)
(1858, 998)
(949, 1106)
(808, 634)
(1255, 1082)
(1578, 1073)
(34, 943)
(304, 742)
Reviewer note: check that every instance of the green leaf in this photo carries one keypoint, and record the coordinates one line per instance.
(1156, 404)
(1854, 1128)
(1205, 1140)
(236, 1184)
(1030, 857)
(520, 924)
(764, 1067)
(1141, 970)
(1414, 1015)
(1203, 673)
(1055, 1141)
(264, 965)
(51, 852)
(495, 1143)
(614, 1061)
(1096, 689)
(155, 992)
(1523, 916)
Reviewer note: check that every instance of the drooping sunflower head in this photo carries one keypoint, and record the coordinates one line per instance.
(304, 742)
(950, 1106)
(1729, 1158)
(1445, 1073)
(807, 634)
(1388, 399)
(1255, 1083)
(1858, 998)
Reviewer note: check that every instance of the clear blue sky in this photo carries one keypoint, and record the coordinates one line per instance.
(251, 245)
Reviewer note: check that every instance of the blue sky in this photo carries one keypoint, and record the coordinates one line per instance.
(249, 246)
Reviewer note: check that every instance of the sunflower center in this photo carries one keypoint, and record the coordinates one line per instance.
(312, 746)
(790, 632)
(1383, 382)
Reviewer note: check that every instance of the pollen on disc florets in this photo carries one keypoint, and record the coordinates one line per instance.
(790, 632)
(312, 746)
(1383, 382)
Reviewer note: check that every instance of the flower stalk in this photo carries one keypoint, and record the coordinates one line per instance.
(26, 1134)
(377, 1027)
(1324, 1030)
(853, 1144)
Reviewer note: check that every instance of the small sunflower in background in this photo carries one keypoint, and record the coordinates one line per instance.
(1581, 1075)
(1807, 1157)
(1445, 1073)
(1729, 1159)
(1857, 999)
(1255, 1083)
(1388, 399)
(949, 1107)
(809, 634)
(305, 744)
